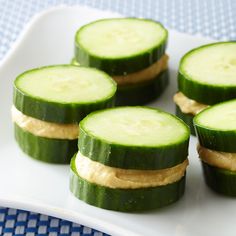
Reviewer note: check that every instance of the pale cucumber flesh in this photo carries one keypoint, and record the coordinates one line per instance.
(115, 38)
(138, 126)
(218, 117)
(213, 64)
(66, 84)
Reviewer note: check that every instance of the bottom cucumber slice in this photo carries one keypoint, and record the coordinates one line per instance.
(187, 118)
(220, 180)
(142, 93)
(45, 149)
(127, 200)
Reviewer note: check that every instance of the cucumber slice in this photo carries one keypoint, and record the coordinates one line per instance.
(187, 118)
(134, 138)
(120, 46)
(63, 93)
(124, 199)
(216, 127)
(142, 93)
(220, 180)
(207, 73)
(57, 151)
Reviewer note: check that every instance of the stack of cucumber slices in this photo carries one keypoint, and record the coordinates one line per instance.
(131, 51)
(206, 77)
(48, 104)
(130, 159)
(216, 131)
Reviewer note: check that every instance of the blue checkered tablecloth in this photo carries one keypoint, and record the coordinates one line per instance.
(19, 223)
(211, 18)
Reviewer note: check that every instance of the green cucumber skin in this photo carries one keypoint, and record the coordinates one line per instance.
(203, 93)
(187, 118)
(45, 149)
(123, 65)
(126, 157)
(223, 141)
(127, 200)
(220, 180)
(55, 112)
(142, 93)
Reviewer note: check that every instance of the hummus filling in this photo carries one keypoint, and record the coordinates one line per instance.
(44, 128)
(188, 105)
(144, 75)
(111, 177)
(223, 160)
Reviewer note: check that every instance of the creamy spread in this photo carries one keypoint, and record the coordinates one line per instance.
(146, 74)
(111, 177)
(188, 105)
(43, 128)
(224, 160)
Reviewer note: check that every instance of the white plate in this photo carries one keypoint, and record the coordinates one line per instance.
(40, 187)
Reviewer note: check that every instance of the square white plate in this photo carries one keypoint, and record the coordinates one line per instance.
(35, 186)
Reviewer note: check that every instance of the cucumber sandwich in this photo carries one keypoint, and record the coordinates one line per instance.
(216, 131)
(131, 50)
(48, 104)
(207, 76)
(130, 159)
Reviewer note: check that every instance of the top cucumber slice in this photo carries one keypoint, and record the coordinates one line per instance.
(208, 74)
(134, 138)
(121, 45)
(216, 127)
(62, 93)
